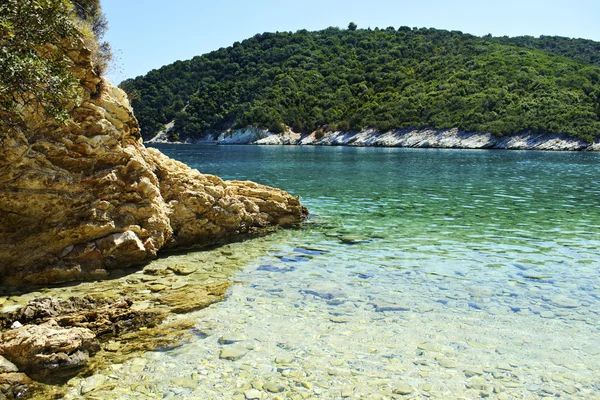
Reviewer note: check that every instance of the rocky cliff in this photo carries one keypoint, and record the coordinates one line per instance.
(407, 138)
(80, 199)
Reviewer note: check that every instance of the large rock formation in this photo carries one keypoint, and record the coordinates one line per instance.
(79, 199)
(48, 350)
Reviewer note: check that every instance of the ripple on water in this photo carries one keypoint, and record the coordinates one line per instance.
(420, 273)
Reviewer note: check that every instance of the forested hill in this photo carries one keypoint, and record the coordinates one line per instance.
(348, 79)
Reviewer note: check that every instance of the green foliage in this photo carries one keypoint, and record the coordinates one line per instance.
(33, 69)
(352, 26)
(354, 79)
(35, 36)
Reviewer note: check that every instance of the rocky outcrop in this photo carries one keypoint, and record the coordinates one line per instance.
(48, 350)
(410, 138)
(80, 199)
(450, 139)
(110, 316)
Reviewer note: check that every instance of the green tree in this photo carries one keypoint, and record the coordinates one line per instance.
(352, 26)
(34, 71)
(35, 36)
(405, 78)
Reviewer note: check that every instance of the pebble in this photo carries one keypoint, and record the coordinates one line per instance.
(181, 269)
(343, 319)
(137, 365)
(307, 384)
(547, 314)
(273, 387)
(231, 338)
(112, 346)
(92, 383)
(252, 394)
(504, 367)
(16, 325)
(284, 360)
(532, 387)
(473, 371)
(187, 383)
(403, 389)
(593, 350)
(447, 363)
(233, 353)
(563, 301)
(569, 389)
(257, 384)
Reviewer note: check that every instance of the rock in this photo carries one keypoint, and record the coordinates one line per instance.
(15, 385)
(252, 394)
(570, 389)
(340, 319)
(101, 316)
(82, 198)
(16, 325)
(179, 269)
(470, 372)
(563, 301)
(284, 360)
(7, 366)
(48, 350)
(194, 297)
(403, 389)
(532, 387)
(446, 138)
(92, 383)
(112, 346)
(273, 387)
(233, 353)
(446, 363)
(307, 384)
(231, 338)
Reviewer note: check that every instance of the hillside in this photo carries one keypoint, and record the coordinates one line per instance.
(393, 78)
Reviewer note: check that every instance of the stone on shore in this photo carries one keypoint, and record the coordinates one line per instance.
(48, 350)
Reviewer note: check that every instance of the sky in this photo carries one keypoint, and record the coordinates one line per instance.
(147, 34)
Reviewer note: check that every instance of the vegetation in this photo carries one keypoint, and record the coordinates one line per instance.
(384, 78)
(34, 67)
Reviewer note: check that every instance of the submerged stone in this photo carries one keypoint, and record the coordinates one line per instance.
(273, 268)
(233, 353)
(231, 338)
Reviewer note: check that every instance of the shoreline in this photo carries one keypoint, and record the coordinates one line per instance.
(401, 138)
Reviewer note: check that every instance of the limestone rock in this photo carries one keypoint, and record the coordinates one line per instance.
(7, 366)
(81, 199)
(194, 297)
(48, 349)
(233, 353)
(101, 316)
(15, 385)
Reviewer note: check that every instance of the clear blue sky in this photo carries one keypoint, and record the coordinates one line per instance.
(147, 34)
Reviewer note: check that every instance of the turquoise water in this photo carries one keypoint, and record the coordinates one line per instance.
(419, 274)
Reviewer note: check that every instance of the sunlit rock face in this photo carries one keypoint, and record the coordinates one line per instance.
(80, 199)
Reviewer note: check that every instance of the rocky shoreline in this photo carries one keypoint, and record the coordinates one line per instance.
(405, 138)
(53, 339)
(84, 200)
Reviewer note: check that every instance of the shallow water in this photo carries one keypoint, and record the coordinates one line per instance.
(420, 274)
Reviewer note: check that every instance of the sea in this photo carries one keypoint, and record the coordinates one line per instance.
(419, 273)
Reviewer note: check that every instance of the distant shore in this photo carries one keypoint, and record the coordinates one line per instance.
(405, 138)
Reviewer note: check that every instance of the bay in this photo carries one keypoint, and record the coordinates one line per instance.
(419, 272)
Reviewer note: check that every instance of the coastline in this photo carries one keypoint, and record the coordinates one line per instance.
(404, 138)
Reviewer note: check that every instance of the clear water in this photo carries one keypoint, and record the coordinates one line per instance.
(420, 274)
